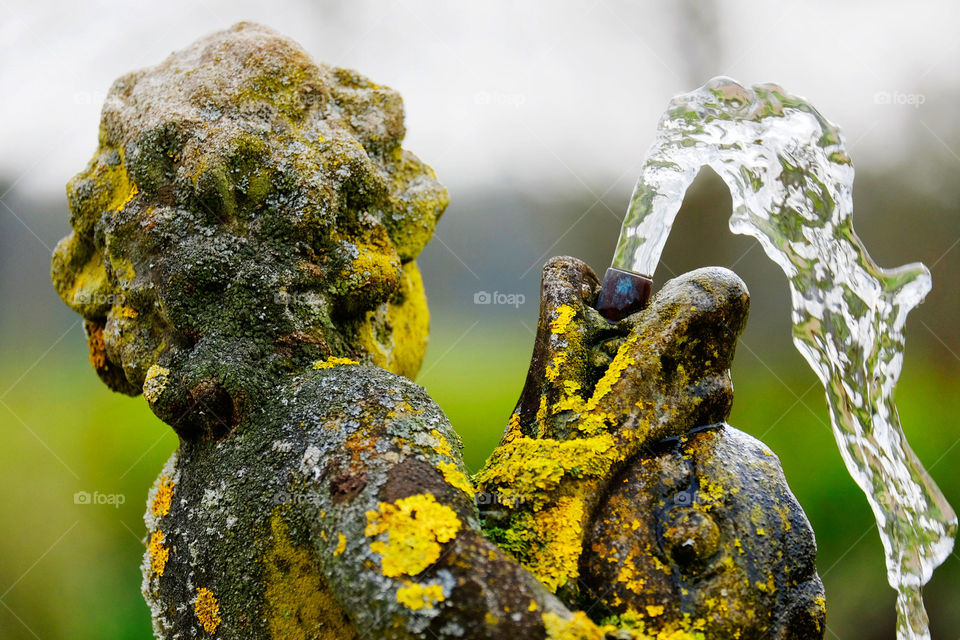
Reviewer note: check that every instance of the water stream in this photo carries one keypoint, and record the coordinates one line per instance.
(791, 182)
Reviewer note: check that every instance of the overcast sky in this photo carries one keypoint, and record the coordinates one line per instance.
(546, 93)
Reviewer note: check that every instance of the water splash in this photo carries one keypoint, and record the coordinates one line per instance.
(791, 182)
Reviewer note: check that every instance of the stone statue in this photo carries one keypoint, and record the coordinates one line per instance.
(243, 252)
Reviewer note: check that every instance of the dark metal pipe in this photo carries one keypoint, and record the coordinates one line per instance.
(623, 293)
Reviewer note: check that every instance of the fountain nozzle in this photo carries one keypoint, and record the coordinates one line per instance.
(623, 293)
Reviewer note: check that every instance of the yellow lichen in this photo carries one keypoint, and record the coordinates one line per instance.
(552, 372)
(162, 498)
(416, 596)
(579, 627)
(442, 447)
(395, 333)
(415, 528)
(122, 268)
(526, 468)
(561, 323)
(300, 603)
(332, 361)
(628, 575)
(80, 285)
(155, 382)
(133, 192)
(711, 494)
(541, 417)
(159, 554)
(106, 185)
(620, 363)
(456, 478)
(558, 531)
(207, 610)
(341, 545)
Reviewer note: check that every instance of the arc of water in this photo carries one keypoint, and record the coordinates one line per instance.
(791, 182)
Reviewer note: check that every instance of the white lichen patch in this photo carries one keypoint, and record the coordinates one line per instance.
(282, 446)
(310, 461)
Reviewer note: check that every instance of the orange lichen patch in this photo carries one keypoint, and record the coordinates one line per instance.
(333, 361)
(341, 545)
(358, 444)
(558, 532)
(416, 596)
(207, 610)
(159, 554)
(98, 351)
(456, 478)
(415, 529)
(162, 498)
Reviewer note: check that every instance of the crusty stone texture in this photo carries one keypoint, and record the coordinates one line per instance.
(243, 254)
(239, 183)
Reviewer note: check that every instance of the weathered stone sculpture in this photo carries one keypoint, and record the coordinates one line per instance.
(621, 488)
(243, 253)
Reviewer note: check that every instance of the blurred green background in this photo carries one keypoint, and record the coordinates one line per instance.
(519, 195)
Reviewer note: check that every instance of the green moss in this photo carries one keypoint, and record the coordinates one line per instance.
(281, 88)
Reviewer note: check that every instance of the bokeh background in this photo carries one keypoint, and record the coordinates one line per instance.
(536, 116)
